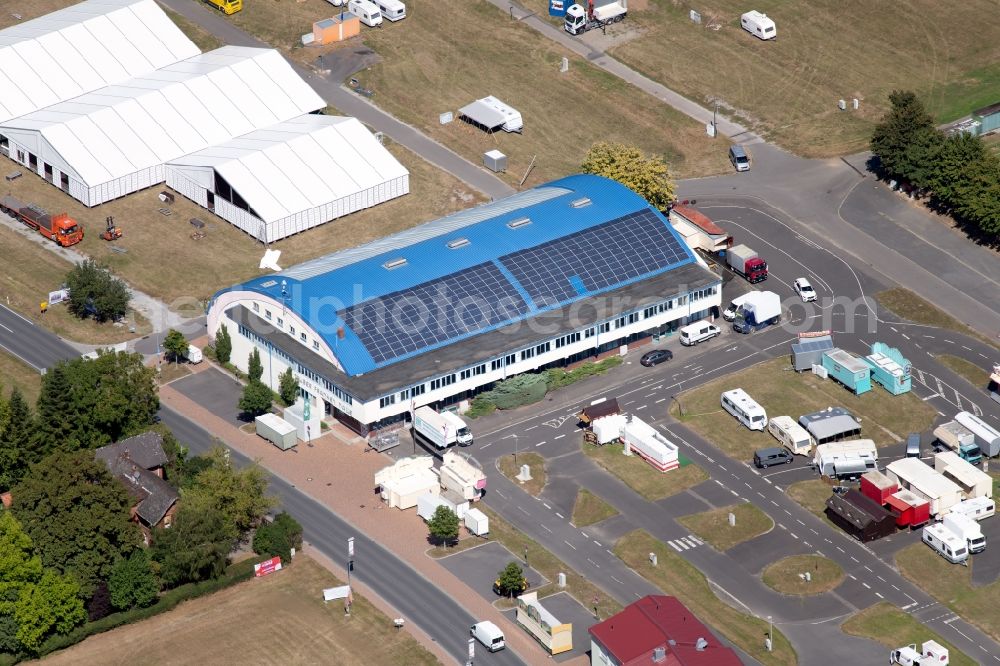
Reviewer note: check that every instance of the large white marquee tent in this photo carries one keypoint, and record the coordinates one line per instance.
(292, 176)
(82, 48)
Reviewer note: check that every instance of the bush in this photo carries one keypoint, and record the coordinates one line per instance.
(558, 378)
(518, 391)
(270, 540)
(481, 406)
(94, 291)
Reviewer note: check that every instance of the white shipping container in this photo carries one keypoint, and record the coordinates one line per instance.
(477, 522)
(276, 430)
(428, 504)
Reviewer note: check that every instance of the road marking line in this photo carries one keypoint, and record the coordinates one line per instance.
(907, 606)
(905, 336)
(879, 595)
(521, 509)
(617, 581)
(539, 444)
(851, 576)
(569, 544)
(5, 328)
(695, 539)
(594, 563)
(782, 527)
(501, 494)
(660, 400)
(625, 404)
(808, 545)
(546, 506)
(675, 547)
(855, 559)
(755, 471)
(718, 482)
(649, 395)
(769, 480)
(814, 531)
(966, 348)
(794, 535)
(774, 503)
(895, 586)
(932, 395)
(486, 446)
(531, 428)
(545, 528)
(800, 522)
(787, 511)
(734, 492)
(840, 549)
(880, 578)
(641, 407)
(560, 515)
(869, 570)
(598, 543)
(950, 342)
(761, 494)
(748, 485)
(558, 436)
(709, 459)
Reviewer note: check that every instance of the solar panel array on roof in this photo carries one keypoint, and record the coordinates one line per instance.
(415, 319)
(821, 344)
(618, 251)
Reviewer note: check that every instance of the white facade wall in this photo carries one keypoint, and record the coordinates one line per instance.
(399, 401)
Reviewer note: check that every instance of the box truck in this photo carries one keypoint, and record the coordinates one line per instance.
(958, 438)
(442, 430)
(760, 310)
(746, 263)
(966, 529)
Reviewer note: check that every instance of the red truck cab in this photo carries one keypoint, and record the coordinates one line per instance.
(756, 270)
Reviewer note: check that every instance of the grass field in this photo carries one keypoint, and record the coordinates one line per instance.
(641, 477)
(713, 526)
(163, 260)
(904, 303)
(825, 50)
(23, 289)
(535, 463)
(783, 575)
(951, 584)
(589, 509)
(14, 372)
(884, 418)
(541, 560)
(675, 576)
(280, 619)
(811, 494)
(977, 375)
(894, 628)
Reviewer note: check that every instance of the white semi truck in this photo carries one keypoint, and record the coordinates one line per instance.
(580, 19)
(441, 429)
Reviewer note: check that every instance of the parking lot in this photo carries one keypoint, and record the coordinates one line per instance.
(478, 568)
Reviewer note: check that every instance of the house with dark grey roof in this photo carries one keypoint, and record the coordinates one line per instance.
(138, 463)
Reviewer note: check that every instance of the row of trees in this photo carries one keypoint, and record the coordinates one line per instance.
(961, 175)
(257, 398)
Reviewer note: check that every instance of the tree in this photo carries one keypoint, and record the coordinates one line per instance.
(52, 604)
(510, 581)
(288, 387)
(239, 495)
(77, 516)
(291, 527)
(443, 526)
(905, 126)
(87, 403)
(256, 399)
(94, 291)
(99, 605)
(176, 345)
(15, 441)
(255, 369)
(132, 582)
(194, 548)
(19, 565)
(223, 345)
(950, 161)
(647, 176)
(278, 537)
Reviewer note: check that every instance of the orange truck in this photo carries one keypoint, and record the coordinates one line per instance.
(61, 228)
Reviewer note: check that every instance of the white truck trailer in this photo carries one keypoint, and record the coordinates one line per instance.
(580, 19)
(643, 439)
(442, 430)
(987, 437)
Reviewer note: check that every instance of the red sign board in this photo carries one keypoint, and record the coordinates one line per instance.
(267, 566)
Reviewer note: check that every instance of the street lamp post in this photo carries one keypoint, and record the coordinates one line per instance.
(770, 634)
(515, 450)
(350, 568)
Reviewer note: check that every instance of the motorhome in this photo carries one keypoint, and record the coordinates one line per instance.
(791, 435)
(743, 407)
(945, 543)
(827, 458)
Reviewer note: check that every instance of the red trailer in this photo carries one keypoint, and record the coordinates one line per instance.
(878, 486)
(911, 510)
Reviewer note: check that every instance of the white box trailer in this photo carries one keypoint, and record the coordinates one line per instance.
(921, 479)
(759, 25)
(477, 522)
(194, 355)
(978, 508)
(791, 435)
(973, 481)
(826, 456)
(987, 437)
(276, 430)
(654, 448)
(442, 430)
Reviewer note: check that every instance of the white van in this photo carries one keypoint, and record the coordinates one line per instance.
(791, 435)
(366, 11)
(743, 407)
(692, 334)
(394, 10)
(976, 508)
(758, 25)
(488, 634)
(729, 314)
(946, 544)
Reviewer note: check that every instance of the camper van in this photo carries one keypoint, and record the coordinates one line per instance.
(791, 435)
(394, 10)
(743, 407)
(945, 543)
(758, 25)
(700, 331)
(366, 11)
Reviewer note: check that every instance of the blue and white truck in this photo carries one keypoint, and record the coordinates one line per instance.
(760, 310)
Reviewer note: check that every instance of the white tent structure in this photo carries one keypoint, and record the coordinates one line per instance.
(115, 140)
(82, 48)
(292, 176)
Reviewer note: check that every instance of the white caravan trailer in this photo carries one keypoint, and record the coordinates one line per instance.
(758, 25)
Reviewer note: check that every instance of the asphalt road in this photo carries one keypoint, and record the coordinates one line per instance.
(414, 597)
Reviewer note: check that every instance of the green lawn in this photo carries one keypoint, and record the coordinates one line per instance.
(884, 418)
(590, 509)
(641, 477)
(904, 303)
(713, 526)
(811, 494)
(535, 463)
(951, 584)
(976, 375)
(675, 576)
(784, 576)
(894, 628)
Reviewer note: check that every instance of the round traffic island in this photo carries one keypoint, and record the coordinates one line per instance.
(788, 575)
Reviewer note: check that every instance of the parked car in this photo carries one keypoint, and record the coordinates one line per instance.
(805, 290)
(655, 357)
(913, 445)
(764, 458)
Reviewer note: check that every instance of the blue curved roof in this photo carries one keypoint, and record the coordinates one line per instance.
(477, 270)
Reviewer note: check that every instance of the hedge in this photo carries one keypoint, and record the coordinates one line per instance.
(169, 600)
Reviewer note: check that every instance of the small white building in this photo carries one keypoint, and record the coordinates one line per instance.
(404, 482)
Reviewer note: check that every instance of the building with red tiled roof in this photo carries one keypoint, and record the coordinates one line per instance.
(698, 230)
(660, 630)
